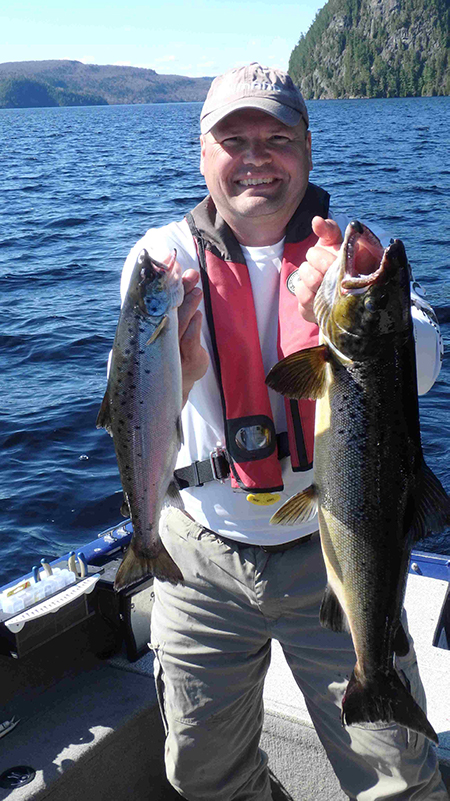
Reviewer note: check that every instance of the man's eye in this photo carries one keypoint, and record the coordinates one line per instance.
(279, 139)
(231, 140)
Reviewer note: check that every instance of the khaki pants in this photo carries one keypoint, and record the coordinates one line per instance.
(212, 638)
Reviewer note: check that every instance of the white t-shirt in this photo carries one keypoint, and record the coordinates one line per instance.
(215, 505)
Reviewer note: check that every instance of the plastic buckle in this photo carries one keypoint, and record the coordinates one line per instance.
(215, 454)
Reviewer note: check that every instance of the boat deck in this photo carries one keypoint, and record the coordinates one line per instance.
(90, 728)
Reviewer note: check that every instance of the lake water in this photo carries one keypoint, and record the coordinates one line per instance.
(78, 187)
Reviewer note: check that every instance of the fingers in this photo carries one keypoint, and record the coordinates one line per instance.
(192, 297)
(309, 281)
(328, 231)
(194, 358)
(318, 259)
(190, 280)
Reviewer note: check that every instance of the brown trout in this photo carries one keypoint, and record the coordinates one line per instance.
(373, 492)
(141, 410)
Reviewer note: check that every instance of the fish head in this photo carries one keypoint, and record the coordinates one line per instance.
(156, 287)
(365, 294)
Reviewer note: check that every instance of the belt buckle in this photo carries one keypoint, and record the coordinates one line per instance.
(215, 455)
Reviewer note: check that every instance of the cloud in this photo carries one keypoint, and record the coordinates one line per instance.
(163, 59)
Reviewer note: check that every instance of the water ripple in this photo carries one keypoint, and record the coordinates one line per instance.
(81, 186)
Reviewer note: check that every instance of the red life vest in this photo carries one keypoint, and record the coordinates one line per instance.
(250, 435)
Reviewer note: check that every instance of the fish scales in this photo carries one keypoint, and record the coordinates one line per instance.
(141, 410)
(364, 502)
(372, 490)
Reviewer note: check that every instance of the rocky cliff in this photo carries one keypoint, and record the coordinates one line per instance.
(375, 48)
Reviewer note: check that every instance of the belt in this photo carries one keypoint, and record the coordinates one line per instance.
(217, 466)
(285, 546)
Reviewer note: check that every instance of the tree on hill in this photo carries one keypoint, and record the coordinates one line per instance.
(386, 49)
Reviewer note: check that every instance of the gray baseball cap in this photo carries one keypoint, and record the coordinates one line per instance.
(253, 86)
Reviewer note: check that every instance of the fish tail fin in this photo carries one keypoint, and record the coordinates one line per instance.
(136, 566)
(384, 698)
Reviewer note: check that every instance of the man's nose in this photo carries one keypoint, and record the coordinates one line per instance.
(256, 153)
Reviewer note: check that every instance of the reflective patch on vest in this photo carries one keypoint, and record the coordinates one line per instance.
(292, 281)
(263, 498)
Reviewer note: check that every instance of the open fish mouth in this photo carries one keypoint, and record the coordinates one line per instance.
(150, 268)
(364, 259)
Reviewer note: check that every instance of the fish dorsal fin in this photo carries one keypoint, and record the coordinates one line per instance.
(432, 512)
(301, 508)
(302, 374)
(160, 327)
(332, 616)
(104, 415)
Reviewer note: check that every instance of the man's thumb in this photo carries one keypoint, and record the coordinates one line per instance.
(328, 231)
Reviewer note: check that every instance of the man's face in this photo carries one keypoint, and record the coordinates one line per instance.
(256, 169)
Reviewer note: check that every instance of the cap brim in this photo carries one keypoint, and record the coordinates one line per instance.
(289, 116)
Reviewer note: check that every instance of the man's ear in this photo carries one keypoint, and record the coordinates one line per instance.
(308, 148)
(202, 153)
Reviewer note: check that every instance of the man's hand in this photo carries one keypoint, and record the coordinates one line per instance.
(318, 259)
(194, 358)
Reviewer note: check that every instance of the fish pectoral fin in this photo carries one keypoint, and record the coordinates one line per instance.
(432, 512)
(301, 508)
(104, 415)
(125, 507)
(160, 327)
(332, 615)
(173, 497)
(180, 436)
(302, 374)
(382, 697)
(401, 642)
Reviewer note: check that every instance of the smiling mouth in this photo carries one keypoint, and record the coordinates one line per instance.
(255, 181)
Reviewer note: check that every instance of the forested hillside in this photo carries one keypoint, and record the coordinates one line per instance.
(25, 84)
(375, 48)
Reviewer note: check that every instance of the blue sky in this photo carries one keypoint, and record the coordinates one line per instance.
(188, 37)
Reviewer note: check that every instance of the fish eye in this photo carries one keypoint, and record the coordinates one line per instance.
(370, 304)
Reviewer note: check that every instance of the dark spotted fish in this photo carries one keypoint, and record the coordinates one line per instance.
(141, 409)
(373, 492)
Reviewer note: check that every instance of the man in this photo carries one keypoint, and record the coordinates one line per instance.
(247, 581)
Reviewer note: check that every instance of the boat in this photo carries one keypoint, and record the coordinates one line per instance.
(79, 717)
